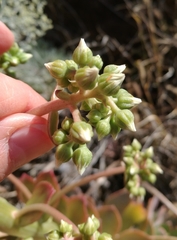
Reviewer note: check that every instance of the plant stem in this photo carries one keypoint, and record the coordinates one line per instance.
(53, 105)
(45, 208)
(75, 114)
(20, 186)
(160, 196)
(87, 179)
(59, 104)
(111, 103)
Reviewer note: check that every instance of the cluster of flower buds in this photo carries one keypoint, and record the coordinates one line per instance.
(87, 230)
(105, 106)
(12, 58)
(139, 166)
(71, 140)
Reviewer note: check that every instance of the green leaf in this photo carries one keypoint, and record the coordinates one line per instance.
(133, 214)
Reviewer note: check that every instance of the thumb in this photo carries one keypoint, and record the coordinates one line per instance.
(23, 138)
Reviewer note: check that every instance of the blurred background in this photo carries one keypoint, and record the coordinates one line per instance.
(139, 33)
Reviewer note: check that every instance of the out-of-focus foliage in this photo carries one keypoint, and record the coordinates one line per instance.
(26, 19)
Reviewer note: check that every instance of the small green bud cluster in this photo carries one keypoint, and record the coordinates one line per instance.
(65, 230)
(106, 106)
(87, 230)
(12, 58)
(139, 166)
(71, 140)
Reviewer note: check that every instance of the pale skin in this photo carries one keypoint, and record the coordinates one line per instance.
(23, 136)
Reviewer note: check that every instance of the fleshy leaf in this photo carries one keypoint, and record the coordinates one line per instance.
(133, 214)
(6, 215)
(41, 194)
(120, 199)
(29, 182)
(133, 234)
(68, 206)
(110, 219)
(49, 177)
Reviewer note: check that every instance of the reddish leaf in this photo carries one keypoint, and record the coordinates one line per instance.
(120, 199)
(133, 234)
(91, 207)
(75, 208)
(41, 194)
(29, 182)
(49, 177)
(110, 219)
(163, 238)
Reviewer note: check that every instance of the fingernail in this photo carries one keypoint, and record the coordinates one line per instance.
(28, 143)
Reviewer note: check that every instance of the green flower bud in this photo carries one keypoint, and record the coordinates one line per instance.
(155, 168)
(132, 170)
(94, 116)
(103, 128)
(6, 57)
(134, 191)
(59, 137)
(88, 104)
(53, 235)
(151, 178)
(66, 124)
(72, 88)
(81, 132)
(105, 110)
(112, 68)
(14, 49)
(64, 153)
(62, 82)
(127, 149)
(115, 129)
(57, 68)
(90, 227)
(141, 192)
(125, 119)
(82, 157)
(86, 77)
(96, 62)
(65, 227)
(109, 84)
(128, 160)
(130, 184)
(82, 55)
(149, 152)
(72, 67)
(125, 100)
(136, 145)
(5, 65)
(14, 61)
(62, 95)
(24, 57)
(105, 236)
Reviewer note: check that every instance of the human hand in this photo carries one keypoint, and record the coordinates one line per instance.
(23, 136)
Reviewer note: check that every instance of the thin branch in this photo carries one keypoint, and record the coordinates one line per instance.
(20, 186)
(160, 196)
(87, 179)
(48, 107)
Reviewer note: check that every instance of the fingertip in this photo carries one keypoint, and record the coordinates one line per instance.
(6, 38)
